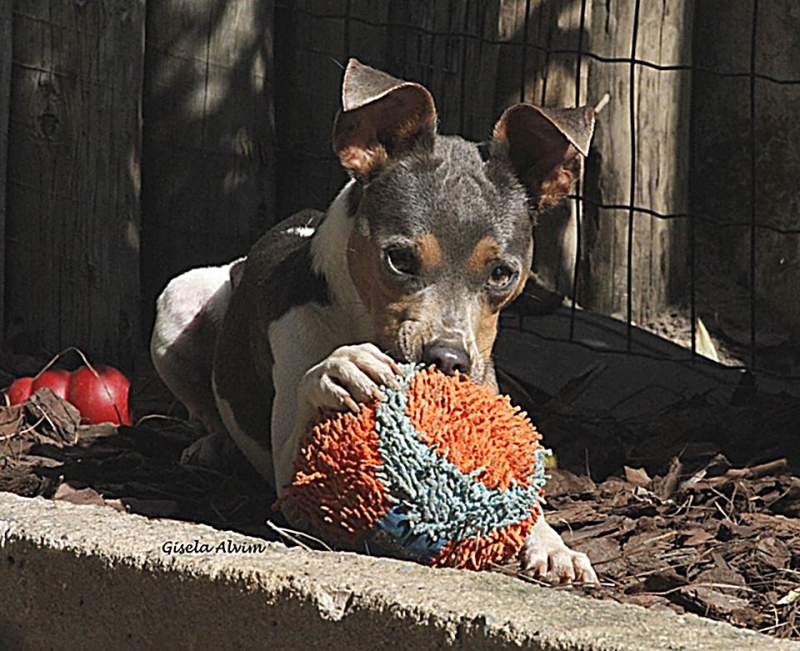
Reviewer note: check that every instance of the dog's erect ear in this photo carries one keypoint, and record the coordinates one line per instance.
(381, 117)
(545, 147)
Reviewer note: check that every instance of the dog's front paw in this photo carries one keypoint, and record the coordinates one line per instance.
(348, 376)
(211, 451)
(546, 557)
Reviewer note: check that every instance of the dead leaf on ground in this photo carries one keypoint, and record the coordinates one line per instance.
(637, 477)
(67, 493)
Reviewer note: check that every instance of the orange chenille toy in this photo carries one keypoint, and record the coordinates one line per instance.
(442, 471)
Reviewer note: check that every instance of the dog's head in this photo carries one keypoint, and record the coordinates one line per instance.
(442, 238)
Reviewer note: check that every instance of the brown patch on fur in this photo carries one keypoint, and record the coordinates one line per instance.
(401, 322)
(362, 159)
(487, 333)
(429, 251)
(548, 189)
(485, 250)
(488, 320)
(381, 301)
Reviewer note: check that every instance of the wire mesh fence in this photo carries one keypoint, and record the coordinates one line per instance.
(650, 236)
(685, 222)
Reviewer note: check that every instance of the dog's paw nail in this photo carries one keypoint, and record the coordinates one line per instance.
(393, 382)
(584, 572)
(351, 404)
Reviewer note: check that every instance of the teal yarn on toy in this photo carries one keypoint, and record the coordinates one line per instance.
(441, 470)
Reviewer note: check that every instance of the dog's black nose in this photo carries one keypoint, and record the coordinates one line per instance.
(448, 358)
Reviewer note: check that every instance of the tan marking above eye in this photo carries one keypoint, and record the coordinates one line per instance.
(429, 251)
(486, 250)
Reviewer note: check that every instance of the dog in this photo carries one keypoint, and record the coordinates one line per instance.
(412, 262)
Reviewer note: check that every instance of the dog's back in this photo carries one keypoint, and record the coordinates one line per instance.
(191, 310)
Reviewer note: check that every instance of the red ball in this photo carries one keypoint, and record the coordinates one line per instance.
(56, 380)
(20, 390)
(102, 399)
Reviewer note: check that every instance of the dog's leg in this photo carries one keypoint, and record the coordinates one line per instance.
(347, 377)
(547, 557)
(188, 316)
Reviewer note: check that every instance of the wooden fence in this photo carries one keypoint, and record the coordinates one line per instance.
(141, 138)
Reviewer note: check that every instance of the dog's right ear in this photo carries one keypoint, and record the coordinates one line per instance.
(545, 147)
(381, 117)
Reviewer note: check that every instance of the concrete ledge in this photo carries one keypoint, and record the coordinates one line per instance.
(85, 577)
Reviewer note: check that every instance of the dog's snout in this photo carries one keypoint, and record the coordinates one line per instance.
(448, 358)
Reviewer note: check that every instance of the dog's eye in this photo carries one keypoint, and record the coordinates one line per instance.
(501, 276)
(401, 261)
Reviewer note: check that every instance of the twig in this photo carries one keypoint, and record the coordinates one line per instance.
(27, 429)
(726, 586)
(754, 472)
(294, 536)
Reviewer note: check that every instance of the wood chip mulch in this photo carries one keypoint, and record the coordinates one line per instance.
(722, 542)
(685, 526)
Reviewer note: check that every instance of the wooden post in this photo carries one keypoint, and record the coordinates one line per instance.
(721, 174)
(451, 48)
(538, 65)
(313, 42)
(658, 165)
(72, 223)
(208, 150)
(5, 93)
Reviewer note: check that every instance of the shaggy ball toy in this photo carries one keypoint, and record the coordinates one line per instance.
(441, 471)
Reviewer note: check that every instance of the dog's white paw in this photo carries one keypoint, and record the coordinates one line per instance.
(546, 557)
(348, 376)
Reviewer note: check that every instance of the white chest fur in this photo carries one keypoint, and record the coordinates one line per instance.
(307, 334)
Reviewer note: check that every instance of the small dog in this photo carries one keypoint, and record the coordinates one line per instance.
(413, 261)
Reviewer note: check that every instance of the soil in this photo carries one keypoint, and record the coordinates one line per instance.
(681, 512)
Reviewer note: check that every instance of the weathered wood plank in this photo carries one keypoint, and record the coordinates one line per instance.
(539, 64)
(480, 70)
(777, 134)
(660, 130)
(73, 189)
(208, 142)
(721, 175)
(5, 93)
(310, 65)
(512, 54)
(452, 49)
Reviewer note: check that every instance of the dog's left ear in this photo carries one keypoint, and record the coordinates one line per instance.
(545, 147)
(381, 117)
